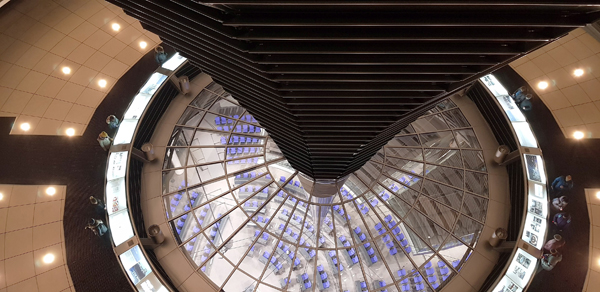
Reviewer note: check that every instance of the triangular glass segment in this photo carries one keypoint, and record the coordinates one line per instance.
(446, 157)
(475, 207)
(468, 230)
(431, 123)
(406, 153)
(191, 117)
(408, 140)
(455, 119)
(476, 182)
(439, 140)
(473, 159)
(449, 196)
(441, 214)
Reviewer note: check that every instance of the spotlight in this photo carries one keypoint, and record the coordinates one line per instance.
(578, 135)
(51, 191)
(66, 70)
(48, 258)
(578, 72)
(102, 83)
(116, 26)
(25, 126)
(143, 44)
(598, 195)
(1, 196)
(70, 132)
(543, 85)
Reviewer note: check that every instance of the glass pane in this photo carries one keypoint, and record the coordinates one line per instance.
(410, 140)
(475, 207)
(466, 139)
(449, 196)
(444, 157)
(439, 140)
(430, 123)
(467, 230)
(191, 117)
(455, 119)
(477, 183)
(204, 155)
(474, 160)
(406, 153)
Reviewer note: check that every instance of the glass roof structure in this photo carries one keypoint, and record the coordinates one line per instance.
(406, 221)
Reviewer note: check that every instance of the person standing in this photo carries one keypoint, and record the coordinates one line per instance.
(104, 140)
(549, 261)
(560, 184)
(560, 203)
(555, 243)
(112, 122)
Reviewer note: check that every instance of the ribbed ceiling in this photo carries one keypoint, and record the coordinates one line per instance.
(333, 81)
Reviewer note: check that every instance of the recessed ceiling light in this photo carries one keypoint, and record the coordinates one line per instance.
(51, 191)
(66, 70)
(598, 195)
(578, 135)
(70, 132)
(102, 83)
(543, 85)
(143, 44)
(116, 26)
(578, 72)
(1, 196)
(48, 258)
(25, 126)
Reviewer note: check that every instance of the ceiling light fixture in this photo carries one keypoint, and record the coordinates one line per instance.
(143, 44)
(25, 126)
(102, 83)
(578, 135)
(51, 191)
(578, 72)
(48, 258)
(66, 70)
(543, 85)
(116, 26)
(70, 132)
(1, 196)
(598, 195)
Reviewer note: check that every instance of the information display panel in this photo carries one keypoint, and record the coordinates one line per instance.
(521, 268)
(120, 226)
(507, 285)
(174, 62)
(117, 165)
(116, 199)
(524, 134)
(535, 168)
(506, 102)
(534, 230)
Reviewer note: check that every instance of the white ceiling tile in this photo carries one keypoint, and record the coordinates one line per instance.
(37, 106)
(79, 128)
(65, 47)
(3, 218)
(90, 98)
(19, 217)
(590, 42)
(23, 195)
(39, 254)
(97, 61)
(48, 63)
(81, 54)
(72, 5)
(34, 33)
(70, 92)
(31, 57)
(128, 35)
(90, 8)
(112, 47)
(32, 81)
(9, 17)
(5, 42)
(594, 130)
(595, 257)
(2, 257)
(6, 191)
(49, 39)
(592, 88)
(114, 8)
(567, 117)
(41, 9)
(128, 18)
(47, 127)
(101, 17)
(4, 95)
(20, 26)
(79, 114)
(596, 236)
(29, 285)
(32, 121)
(69, 23)
(578, 49)
(47, 212)
(546, 63)
(16, 102)
(56, 16)
(529, 71)
(18, 242)
(588, 113)
(58, 71)
(576, 95)
(129, 56)
(562, 78)
(97, 39)
(83, 31)
(115, 68)
(46, 235)
(153, 36)
(137, 25)
(593, 281)
(15, 51)
(58, 110)
(4, 67)
(83, 76)
(555, 100)
(54, 280)
(562, 56)
(51, 86)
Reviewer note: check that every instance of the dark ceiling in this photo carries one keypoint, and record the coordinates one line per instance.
(333, 81)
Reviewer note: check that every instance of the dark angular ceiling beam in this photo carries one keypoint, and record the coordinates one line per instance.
(333, 81)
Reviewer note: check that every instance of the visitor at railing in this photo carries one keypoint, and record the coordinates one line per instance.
(561, 184)
(104, 140)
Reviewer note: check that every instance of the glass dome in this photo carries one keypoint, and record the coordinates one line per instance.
(406, 221)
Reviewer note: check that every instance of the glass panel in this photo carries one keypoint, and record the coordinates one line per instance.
(477, 183)
(439, 213)
(466, 139)
(191, 117)
(216, 122)
(217, 269)
(467, 230)
(449, 176)
(208, 138)
(240, 282)
(226, 108)
(430, 123)
(205, 155)
(181, 136)
(439, 140)
(475, 207)
(474, 160)
(444, 157)
(214, 211)
(455, 253)
(406, 153)
(176, 204)
(410, 140)
(272, 151)
(430, 233)
(455, 119)
(447, 195)
(205, 98)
